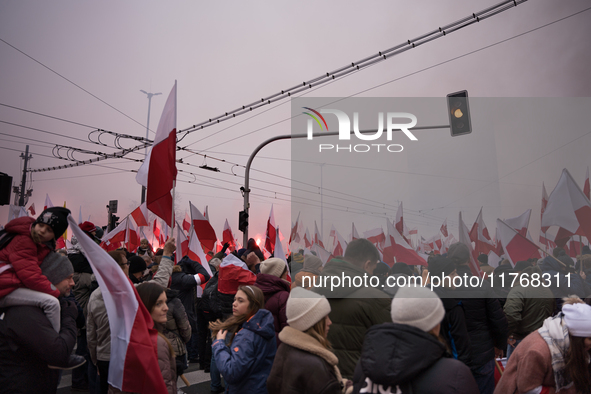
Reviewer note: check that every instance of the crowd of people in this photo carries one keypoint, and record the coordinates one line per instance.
(269, 330)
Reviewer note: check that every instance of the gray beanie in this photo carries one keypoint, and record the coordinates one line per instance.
(418, 307)
(273, 266)
(56, 267)
(305, 308)
(458, 253)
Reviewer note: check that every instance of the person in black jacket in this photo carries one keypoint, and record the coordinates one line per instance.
(186, 276)
(485, 320)
(29, 343)
(407, 355)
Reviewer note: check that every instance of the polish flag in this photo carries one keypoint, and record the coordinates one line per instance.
(203, 229)
(134, 354)
(48, 203)
(465, 239)
(375, 236)
(280, 254)
(399, 220)
(187, 223)
(340, 245)
(397, 247)
(443, 228)
(132, 239)
(228, 236)
(354, 233)
(544, 204)
(196, 253)
(32, 209)
(568, 207)
(317, 236)
(182, 241)
(586, 186)
(549, 243)
(156, 229)
(206, 212)
(234, 273)
(520, 223)
(321, 253)
(140, 215)
(479, 235)
(308, 241)
(113, 239)
(271, 235)
(293, 236)
(158, 171)
(517, 247)
(413, 231)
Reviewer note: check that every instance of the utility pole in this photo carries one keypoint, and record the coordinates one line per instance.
(22, 193)
(150, 95)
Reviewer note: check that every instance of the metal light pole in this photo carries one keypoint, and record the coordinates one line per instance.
(150, 95)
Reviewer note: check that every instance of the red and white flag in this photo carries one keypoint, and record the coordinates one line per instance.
(586, 186)
(397, 249)
(479, 235)
(203, 229)
(354, 233)
(544, 203)
(443, 228)
(520, 223)
(140, 215)
(321, 253)
(234, 273)
(158, 171)
(187, 223)
(271, 235)
(340, 245)
(133, 366)
(156, 228)
(568, 207)
(399, 224)
(32, 209)
(375, 236)
(113, 239)
(206, 212)
(308, 241)
(294, 236)
(317, 236)
(196, 253)
(465, 239)
(414, 231)
(182, 241)
(48, 203)
(517, 247)
(132, 239)
(280, 254)
(228, 237)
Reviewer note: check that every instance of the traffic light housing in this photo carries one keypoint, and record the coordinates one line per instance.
(459, 113)
(113, 222)
(243, 221)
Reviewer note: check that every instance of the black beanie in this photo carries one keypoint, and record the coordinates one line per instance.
(136, 264)
(441, 265)
(56, 218)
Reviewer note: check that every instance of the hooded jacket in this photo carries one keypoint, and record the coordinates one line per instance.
(25, 256)
(276, 292)
(406, 359)
(183, 280)
(353, 311)
(246, 365)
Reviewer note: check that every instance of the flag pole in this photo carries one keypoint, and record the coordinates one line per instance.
(172, 219)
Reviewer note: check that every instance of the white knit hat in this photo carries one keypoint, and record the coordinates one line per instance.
(305, 308)
(273, 266)
(418, 307)
(578, 319)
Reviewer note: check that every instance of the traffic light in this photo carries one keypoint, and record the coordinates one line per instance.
(459, 113)
(242, 221)
(113, 222)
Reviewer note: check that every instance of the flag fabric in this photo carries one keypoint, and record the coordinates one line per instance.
(158, 171)
(113, 239)
(587, 186)
(340, 245)
(156, 229)
(399, 224)
(182, 241)
(413, 230)
(132, 239)
(479, 235)
(354, 233)
(544, 240)
(196, 253)
(80, 215)
(321, 253)
(544, 204)
(48, 203)
(206, 213)
(308, 241)
(464, 237)
(317, 236)
(134, 356)
(280, 254)
(32, 209)
(203, 230)
(271, 235)
(516, 246)
(187, 223)
(375, 236)
(228, 237)
(233, 273)
(568, 207)
(520, 223)
(493, 259)
(293, 236)
(443, 228)
(140, 215)
(397, 249)
(16, 211)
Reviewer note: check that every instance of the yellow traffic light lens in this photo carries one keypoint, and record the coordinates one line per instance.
(458, 113)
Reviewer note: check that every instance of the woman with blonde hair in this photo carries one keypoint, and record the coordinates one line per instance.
(244, 345)
(304, 362)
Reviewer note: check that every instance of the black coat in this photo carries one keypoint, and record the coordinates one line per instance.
(405, 358)
(184, 282)
(485, 320)
(28, 344)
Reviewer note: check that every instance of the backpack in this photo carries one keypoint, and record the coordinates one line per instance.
(207, 298)
(5, 238)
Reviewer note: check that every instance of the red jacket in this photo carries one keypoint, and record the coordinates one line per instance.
(25, 256)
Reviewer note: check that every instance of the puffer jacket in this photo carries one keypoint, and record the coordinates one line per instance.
(85, 284)
(276, 292)
(177, 328)
(303, 365)
(25, 256)
(485, 319)
(167, 364)
(246, 364)
(397, 358)
(353, 311)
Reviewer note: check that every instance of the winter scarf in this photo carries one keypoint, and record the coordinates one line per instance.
(555, 334)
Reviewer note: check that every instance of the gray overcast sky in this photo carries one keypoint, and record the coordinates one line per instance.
(227, 54)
